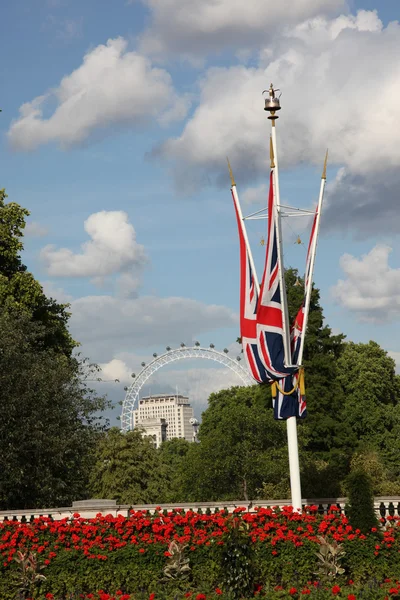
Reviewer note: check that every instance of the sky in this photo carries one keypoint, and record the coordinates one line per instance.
(116, 122)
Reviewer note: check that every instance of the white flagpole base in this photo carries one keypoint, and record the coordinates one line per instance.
(294, 465)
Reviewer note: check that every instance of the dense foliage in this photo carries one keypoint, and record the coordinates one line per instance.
(277, 552)
(50, 418)
(19, 290)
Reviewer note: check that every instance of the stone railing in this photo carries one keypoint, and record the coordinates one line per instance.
(88, 509)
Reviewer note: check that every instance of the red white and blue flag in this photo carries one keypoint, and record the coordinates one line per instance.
(270, 310)
(270, 325)
(248, 304)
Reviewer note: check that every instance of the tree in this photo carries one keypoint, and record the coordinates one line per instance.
(172, 455)
(360, 508)
(127, 468)
(371, 409)
(49, 421)
(241, 448)
(19, 290)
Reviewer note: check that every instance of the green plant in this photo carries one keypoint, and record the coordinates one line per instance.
(360, 508)
(177, 566)
(237, 559)
(329, 555)
(28, 576)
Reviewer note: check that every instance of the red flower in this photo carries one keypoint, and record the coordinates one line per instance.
(351, 597)
(292, 591)
(152, 596)
(335, 590)
(201, 597)
(218, 591)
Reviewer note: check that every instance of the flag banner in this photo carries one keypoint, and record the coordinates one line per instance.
(270, 312)
(248, 304)
(290, 399)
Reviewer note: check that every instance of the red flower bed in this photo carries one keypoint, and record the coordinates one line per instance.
(279, 536)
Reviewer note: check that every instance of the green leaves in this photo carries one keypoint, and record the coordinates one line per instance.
(49, 422)
(330, 555)
(20, 292)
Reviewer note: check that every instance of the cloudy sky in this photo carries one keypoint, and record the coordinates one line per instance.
(117, 118)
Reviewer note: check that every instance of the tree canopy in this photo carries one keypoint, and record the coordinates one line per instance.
(19, 290)
(50, 417)
(49, 421)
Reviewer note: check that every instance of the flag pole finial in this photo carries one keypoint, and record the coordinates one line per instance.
(271, 152)
(231, 173)
(272, 103)
(325, 165)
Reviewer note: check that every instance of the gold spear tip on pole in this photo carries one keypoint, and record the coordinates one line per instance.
(271, 152)
(325, 165)
(230, 173)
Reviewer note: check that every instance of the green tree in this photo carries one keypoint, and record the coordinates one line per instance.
(49, 422)
(371, 410)
(172, 455)
(360, 509)
(19, 290)
(127, 468)
(241, 448)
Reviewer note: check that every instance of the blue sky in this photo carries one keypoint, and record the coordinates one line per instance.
(130, 110)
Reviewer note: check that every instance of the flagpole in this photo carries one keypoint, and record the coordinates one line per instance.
(277, 205)
(272, 104)
(246, 239)
(309, 283)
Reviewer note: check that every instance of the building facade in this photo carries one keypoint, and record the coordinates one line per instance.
(174, 410)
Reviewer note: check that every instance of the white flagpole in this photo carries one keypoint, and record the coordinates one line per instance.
(277, 205)
(313, 251)
(246, 239)
(272, 104)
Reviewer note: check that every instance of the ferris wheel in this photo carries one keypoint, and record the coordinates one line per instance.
(171, 355)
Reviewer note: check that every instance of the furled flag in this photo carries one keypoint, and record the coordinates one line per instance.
(248, 302)
(285, 380)
(270, 311)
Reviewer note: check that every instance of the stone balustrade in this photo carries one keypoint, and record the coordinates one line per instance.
(384, 506)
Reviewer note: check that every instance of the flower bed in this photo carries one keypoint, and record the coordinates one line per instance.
(127, 556)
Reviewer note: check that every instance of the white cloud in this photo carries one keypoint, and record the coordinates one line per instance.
(56, 293)
(325, 103)
(110, 324)
(256, 195)
(128, 285)
(112, 87)
(396, 357)
(201, 27)
(35, 229)
(365, 203)
(371, 288)
(112, 248)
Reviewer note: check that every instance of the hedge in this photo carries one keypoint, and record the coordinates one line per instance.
(269, 552)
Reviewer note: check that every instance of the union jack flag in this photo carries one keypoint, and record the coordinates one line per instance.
(288, 401)
(248, 304)
(270, 311)
(296, 402)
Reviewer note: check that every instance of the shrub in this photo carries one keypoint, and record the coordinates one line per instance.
(360, 508)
